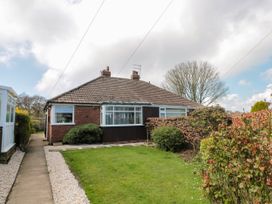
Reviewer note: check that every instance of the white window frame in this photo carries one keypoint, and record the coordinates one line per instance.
(165, 110)
(53, 115)
(11, 110)
(103, 115)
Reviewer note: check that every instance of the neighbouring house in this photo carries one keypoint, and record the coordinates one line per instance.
(119, 106)
(7, 122)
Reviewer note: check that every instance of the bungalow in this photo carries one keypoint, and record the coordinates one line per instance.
(7, 118)
(119, 106)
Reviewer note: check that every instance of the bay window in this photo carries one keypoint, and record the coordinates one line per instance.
(167, 112)
(63, 114)
(118, 115)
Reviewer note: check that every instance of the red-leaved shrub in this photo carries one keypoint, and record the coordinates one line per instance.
(238, 161)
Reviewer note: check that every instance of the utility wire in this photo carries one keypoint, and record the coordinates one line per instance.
(249, 52)
(79, 43)
(145, 36)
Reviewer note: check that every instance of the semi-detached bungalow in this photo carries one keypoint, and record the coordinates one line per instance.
(119, 106)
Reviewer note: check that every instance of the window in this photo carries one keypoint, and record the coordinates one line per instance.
(10, 110)
(63, 114)
(167, 112)
(118, 115)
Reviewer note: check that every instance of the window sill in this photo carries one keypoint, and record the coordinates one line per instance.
(62, 124)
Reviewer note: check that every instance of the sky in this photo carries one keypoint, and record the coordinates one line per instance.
(37, 38)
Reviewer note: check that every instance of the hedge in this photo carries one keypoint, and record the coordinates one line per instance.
(237, 162)
(198, 125)
(22, 130)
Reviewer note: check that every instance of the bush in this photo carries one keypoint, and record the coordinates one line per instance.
(208, 119)
(83, 134)
(237, 165)
(37, 125)
(198, 125)
(168, 138)
(22, 130)
(260, 105)
(205, 146)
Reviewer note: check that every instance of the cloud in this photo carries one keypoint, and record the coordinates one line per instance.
(234, 102)
(267, 75)
(244, 82)
(217, 31)
(265, 95)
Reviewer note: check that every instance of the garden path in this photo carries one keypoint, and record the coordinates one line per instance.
(32, 184)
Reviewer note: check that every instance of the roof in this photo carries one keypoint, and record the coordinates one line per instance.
(120, 90)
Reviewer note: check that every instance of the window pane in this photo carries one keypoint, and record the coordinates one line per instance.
(162, 115)
(174, 114)
(138, 108)
(63, 109)
(64, 117)
(109, 108)
(123, 108)
(8, 114)
(123, 118)
(12, 114)
(175, 110)
(109, 118)
(138, 118)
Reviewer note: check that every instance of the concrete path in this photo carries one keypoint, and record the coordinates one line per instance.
(32, 184)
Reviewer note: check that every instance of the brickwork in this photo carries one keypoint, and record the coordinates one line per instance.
(83, 115)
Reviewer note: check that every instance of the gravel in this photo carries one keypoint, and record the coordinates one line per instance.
(65, 187)
(8, 174)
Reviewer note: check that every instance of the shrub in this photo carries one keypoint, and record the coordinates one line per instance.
(22, 130)
(168, 138)
(198, 125)
(37, 125)
(237, 165)
(207, 119)
(83, 134)
(205, 145)
(260, 105)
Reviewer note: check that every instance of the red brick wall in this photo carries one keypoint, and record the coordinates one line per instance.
(83, 115)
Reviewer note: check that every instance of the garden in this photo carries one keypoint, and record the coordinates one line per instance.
(135, 175)
(232, 162)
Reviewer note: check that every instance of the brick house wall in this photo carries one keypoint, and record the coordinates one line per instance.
(91, 114)
(83, 115)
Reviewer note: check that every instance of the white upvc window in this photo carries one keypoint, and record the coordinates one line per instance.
(121, 115)
(62, 114)
(168, 111)
(10, 113)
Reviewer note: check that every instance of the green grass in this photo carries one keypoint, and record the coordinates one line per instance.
(125, 175)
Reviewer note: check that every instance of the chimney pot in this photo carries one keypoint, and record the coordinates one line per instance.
(106, 72)
(135, 75)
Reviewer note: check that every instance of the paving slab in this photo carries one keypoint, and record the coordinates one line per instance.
(32, 184)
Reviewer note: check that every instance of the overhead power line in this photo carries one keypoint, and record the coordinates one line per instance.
(249, 52)
(79, 43)
(145, 36)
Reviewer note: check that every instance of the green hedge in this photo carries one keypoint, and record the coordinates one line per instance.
(83, 134)
(22, 130)
(168, 138)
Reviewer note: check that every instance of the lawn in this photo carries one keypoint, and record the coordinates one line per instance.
(135, 175)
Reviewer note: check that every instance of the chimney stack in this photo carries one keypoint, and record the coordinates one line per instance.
(106, 72)
(135, 75)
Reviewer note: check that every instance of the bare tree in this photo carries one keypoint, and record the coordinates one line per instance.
(197, 81)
